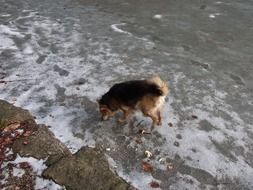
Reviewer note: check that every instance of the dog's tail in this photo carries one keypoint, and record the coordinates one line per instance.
(162, 86)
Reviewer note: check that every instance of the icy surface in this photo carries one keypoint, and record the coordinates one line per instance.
(59, 57)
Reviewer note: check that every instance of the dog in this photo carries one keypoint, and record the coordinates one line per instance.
(148, 96)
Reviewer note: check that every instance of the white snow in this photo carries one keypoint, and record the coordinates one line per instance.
(5, 15)
(63, 130)
(38, 165)
(157, 16)
(28, 50)
(116, 28)
(214, 15)
(18, 172)
(7, 43)
(218, 2)
(4, 29)
(47, 184)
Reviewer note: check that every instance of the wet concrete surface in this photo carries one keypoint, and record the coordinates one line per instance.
(58, 57)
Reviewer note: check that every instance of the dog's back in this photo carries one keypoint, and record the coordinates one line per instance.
(130, 92)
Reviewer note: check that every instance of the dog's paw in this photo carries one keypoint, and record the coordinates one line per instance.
(158, 122)
(121, 120)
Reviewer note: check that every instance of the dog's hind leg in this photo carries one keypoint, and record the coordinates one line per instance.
(154, 116)
(159, 117)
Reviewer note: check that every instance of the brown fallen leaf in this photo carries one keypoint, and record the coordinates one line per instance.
(24, 165)
(154, 184)
(194, 117)
(8, 140)
(138, 141)
(27, 133)
(11, 127)
(146, 167)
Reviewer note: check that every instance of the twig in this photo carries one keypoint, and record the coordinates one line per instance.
(139, 123)
(5, 81)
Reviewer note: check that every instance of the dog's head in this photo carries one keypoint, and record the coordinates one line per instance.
(105, 111)
(106, 107)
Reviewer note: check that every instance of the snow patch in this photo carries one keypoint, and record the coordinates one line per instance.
(214, 15)
(18, 172)
(158, 16)
(60, 120)
(47, 184)
(10, 31)
(116, 29)
(37, 165)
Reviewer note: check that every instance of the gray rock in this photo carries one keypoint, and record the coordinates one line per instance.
(87, 169)
(41, 145)
(11, 114)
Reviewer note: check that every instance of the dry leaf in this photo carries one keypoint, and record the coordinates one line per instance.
(27, 133)
(24, 165)
(154, 184)
(146, 167)
(194, 117)
(11, 127)
(138, 141)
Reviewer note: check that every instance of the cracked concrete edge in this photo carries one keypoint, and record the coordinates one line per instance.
(89, 164)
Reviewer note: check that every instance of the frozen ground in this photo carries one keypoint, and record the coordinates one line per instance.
(57, 57)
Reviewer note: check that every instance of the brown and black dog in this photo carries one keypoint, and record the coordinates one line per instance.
(147, 96)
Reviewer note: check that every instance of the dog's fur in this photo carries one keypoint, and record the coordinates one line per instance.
(145, 95)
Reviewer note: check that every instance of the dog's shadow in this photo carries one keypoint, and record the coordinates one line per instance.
(133, 126)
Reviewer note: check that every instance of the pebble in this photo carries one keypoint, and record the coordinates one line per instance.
(178, 136)
(176, 144)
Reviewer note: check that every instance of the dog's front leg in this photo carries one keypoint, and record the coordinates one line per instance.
(126, 114)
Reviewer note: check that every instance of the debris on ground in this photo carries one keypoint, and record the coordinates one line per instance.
(146, 166)
(148, 154)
